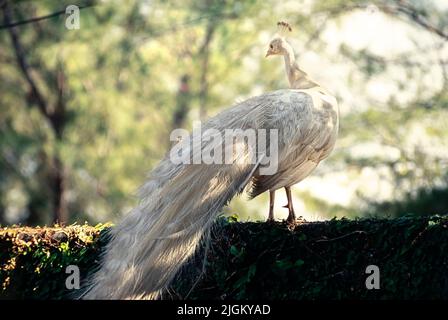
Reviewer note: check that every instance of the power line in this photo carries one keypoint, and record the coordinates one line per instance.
(155, 33)
(32, 20)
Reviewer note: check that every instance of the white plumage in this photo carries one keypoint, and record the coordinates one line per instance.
(179, 202)
(319, 123)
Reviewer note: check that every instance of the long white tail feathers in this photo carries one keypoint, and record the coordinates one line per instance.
(179, 203)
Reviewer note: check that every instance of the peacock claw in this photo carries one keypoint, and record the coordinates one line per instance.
(270, 220)
(294, 222)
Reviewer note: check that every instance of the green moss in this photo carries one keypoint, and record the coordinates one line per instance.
(33, 260)
(318, 260)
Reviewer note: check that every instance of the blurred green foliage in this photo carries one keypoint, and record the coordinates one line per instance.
(423, 202)
(137, 69)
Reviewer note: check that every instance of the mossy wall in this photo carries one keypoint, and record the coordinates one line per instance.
(318, 260)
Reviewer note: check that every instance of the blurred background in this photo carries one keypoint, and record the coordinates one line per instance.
(86, 113)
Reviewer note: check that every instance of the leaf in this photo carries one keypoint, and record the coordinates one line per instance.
(234, 251)
(299, 263)
(284, 264)
(302, 237)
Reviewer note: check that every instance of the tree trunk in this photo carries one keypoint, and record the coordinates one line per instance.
(183, 102)
(58, 189)
(204, 53)
(55, 116)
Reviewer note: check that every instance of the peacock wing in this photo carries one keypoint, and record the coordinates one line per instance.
(305, 125)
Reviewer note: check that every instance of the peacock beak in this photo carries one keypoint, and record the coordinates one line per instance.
(268, 53)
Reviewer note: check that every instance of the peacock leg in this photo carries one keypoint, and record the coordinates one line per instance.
(271, 206)
(291, 215)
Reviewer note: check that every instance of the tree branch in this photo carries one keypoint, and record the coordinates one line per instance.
(412, 13)
(55, 116)
(401, 8)
(23, 65)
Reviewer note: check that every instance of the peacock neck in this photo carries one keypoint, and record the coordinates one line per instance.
(290, 58)
(298, 79)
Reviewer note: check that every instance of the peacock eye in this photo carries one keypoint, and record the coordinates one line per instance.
(271, 46)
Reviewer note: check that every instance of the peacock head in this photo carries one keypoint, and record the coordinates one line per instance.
(278, 45)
